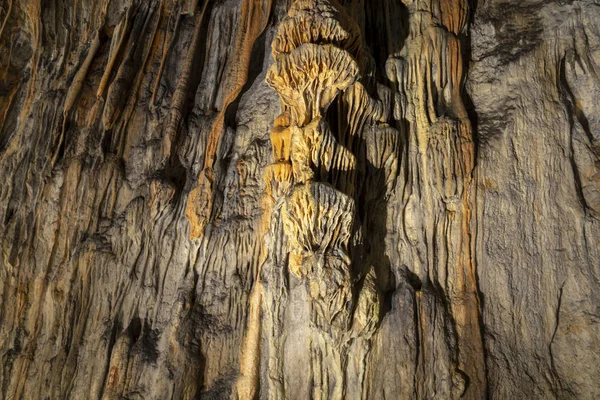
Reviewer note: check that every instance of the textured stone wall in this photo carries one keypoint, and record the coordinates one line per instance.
(310, 199)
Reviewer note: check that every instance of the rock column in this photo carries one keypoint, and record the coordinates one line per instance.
(308, 279)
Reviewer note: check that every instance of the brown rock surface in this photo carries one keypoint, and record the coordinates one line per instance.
(308, 199)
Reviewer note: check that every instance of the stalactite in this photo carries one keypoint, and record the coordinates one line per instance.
(116, 95)
(118, 39)
(8, 11)
(80, 75)
(75, 89)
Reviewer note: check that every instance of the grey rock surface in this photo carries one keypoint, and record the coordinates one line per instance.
(145, 254)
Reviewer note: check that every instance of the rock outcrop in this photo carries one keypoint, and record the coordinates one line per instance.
(299, 199)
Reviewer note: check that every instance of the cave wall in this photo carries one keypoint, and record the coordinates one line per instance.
(276, 199)
(533, 82)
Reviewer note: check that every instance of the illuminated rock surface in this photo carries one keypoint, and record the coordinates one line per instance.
(311, 199)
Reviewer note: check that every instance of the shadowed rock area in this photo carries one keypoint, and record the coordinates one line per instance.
(299, 199)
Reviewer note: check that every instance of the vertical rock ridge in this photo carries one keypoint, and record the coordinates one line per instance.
(255, 18)
(428, 74)
(312, 185)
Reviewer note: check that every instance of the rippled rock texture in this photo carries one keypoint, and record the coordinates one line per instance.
(309, 199)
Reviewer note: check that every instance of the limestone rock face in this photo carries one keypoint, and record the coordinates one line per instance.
(299, 199)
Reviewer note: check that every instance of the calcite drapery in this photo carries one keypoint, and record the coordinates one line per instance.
(317, 221)
(317, 218)
(309, 78)
(312, 189)
(428, 105)
(428, 73)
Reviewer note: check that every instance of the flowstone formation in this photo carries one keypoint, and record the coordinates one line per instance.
(321, 292)
(428, 77)
(319, 306)
(299, 199)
